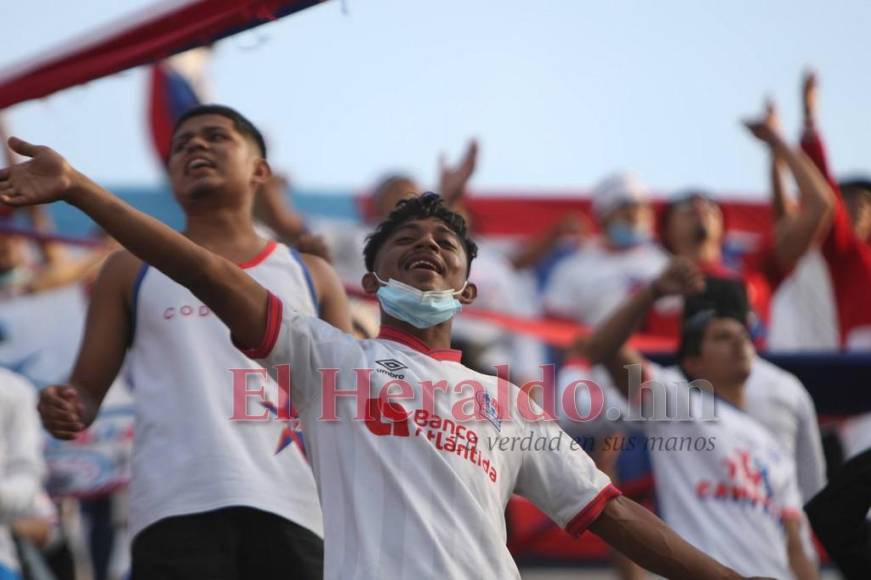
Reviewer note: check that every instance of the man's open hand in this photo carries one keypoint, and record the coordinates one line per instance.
(766, 128)
(43, 178)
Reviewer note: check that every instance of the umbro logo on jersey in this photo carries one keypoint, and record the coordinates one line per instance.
(391, 364)
(390, 367)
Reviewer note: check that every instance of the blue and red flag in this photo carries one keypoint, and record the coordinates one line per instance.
(171, 95)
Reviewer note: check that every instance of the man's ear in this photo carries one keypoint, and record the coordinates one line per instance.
(370, 283)
(262, 171)
(469, 293)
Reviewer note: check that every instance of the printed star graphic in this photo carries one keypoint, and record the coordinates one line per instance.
(289, 434)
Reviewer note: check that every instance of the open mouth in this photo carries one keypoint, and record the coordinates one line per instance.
(198, 163)
(424, 263)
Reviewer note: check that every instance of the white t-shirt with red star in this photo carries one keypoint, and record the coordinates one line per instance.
(415, 485)
(725, 485)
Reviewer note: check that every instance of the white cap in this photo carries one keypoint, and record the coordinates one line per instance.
(617, 190)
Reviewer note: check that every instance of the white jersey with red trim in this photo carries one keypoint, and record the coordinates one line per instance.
(189, 456)
(588, 285)
(416, 487)
(725, 485)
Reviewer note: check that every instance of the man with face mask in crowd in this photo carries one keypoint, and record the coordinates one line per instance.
(590, 283)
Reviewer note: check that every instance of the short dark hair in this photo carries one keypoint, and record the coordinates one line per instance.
(665, 214)
(426, 205)
(240, 122)
(855, 184)
(722, 298)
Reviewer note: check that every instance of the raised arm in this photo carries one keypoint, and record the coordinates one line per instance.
(781, 204)
(649, 542)
(453, 180)
(795, 233)
(606, 345)
(238, 300)
(840, 238)
(273, 209)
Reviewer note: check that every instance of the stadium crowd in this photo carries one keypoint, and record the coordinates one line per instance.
(167, 452)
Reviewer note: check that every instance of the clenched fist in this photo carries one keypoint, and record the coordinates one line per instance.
(62, 411)
(680, 277)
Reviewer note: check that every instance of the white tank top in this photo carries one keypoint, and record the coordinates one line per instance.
(189, 456)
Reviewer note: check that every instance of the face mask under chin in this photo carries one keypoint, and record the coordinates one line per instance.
(419, 308)
(622, 235)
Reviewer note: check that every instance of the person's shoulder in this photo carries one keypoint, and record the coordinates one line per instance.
(316, 265)
(772, 376)
(122, 264)
(572, 265)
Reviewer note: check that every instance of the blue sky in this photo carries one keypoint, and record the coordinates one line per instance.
(559, 92)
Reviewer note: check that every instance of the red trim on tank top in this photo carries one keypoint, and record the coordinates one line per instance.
(264, 253)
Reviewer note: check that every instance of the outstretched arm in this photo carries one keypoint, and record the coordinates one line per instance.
(649, 542)
(606, 345)
(795, 233)
(227, 290)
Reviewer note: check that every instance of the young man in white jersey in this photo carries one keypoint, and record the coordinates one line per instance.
(413, 484)
(722, 479)
(210, 496)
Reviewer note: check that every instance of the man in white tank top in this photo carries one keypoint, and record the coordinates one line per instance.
(210, 496)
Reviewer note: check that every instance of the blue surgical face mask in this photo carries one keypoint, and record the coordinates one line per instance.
(622, 235)
(419, 308)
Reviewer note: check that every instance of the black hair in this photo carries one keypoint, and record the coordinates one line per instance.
(722, 298)
(855, 184)
(426, 205)
(667, 211)
(240, 122)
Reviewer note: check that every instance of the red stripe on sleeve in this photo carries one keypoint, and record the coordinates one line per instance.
(592, 510)
(274, 309)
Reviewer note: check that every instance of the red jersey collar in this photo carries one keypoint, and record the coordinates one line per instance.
(417, 344)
